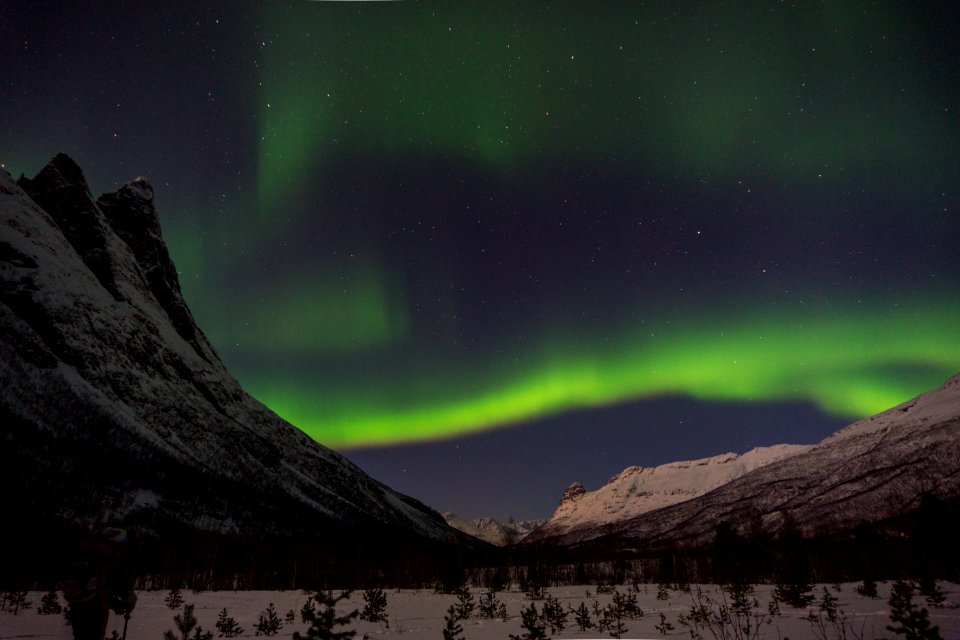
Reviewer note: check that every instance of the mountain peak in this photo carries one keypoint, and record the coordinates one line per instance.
(101, 362)
(572, 492)
(131, 213)
(62, 171)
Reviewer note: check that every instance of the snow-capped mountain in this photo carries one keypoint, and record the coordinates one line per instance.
(491, 530)
(637, 490)
(871, 471)
(113, 404)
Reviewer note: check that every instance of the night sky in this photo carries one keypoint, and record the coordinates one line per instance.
(487, 249)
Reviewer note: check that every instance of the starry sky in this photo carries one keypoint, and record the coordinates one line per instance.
(489, 249)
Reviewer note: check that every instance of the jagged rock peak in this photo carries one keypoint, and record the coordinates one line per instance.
(60, 172)
(61, 190)
(572, 492)
(131, 213)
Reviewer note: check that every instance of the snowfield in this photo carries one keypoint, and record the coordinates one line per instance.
(415, 614)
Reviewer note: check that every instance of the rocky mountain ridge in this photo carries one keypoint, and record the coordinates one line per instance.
(874, 470)
(638, 490)
(116, 407)
(491, 530)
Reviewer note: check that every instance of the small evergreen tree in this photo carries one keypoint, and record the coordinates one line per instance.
(17, 600)
(796, 594)
(375, 606)
(465, 604)
(289, 617)
(185, 623)
(452, 629)
(227, 627)
(604, 588)
(174, 599)
(665, 626)
(613, 621)
(582, 617)
(906, 619)
(554, 615)
(868, 588)
(268, 624)
(930, 589)
(626, 604)
(320, 612)
(663, 592)
(490, 606)
(533, 623)
(50, 604)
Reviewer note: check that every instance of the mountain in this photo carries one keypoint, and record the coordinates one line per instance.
(873, 471)
(116, 407)
(638, 490)
(492, 531)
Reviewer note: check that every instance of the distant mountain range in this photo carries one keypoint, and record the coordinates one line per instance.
(872, 471)
(492, 531)
(115, 407)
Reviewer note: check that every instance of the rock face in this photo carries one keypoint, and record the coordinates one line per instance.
(638, 490)
(113, 405)
(491, 530)
(871, 471)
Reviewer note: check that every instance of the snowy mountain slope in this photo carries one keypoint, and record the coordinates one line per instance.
(114, 405)
(871, 471)
(637, 490)
(491, 530)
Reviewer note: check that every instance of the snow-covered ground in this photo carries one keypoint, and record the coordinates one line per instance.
(420, 614)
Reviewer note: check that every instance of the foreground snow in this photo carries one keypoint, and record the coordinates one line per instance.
(420, 614)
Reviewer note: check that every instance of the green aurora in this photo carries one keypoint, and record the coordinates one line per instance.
(848, 362)
(814, 99)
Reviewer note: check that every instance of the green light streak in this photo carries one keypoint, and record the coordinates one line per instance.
(811, 98)
(849, 362)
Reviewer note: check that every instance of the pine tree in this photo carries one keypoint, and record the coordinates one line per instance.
(185, 623)
(17, 600)
(227, 627)
(911, 623)
(50, 604)
(490, 606)
(868, 588)
(582, 616)
(451, 629)
(375, 606)
(930, 590)
(269, 623)
(665, 626)
(465, 603)
(174, 599)
(554, 615)
(320, 612)
(532, 622)
(828, 605)
(795, 594)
